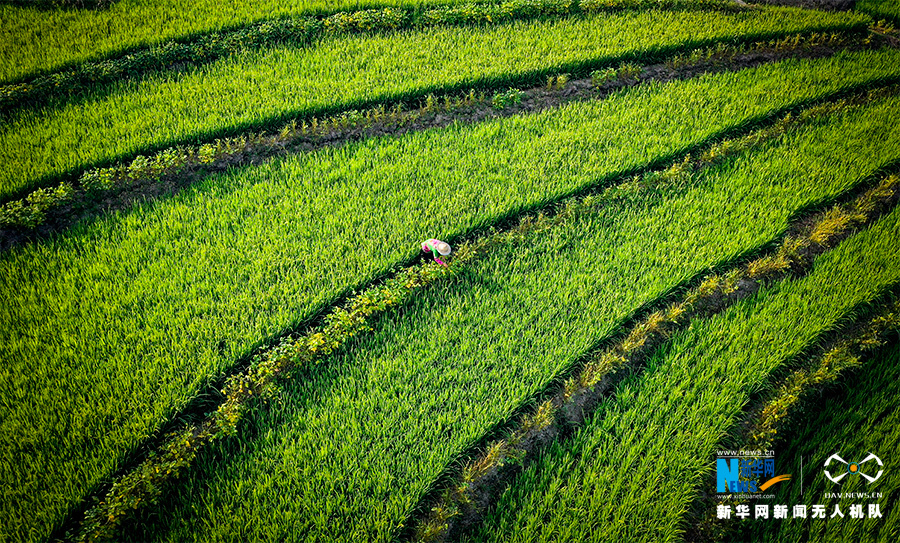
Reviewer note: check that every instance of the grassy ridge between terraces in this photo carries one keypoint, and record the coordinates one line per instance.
(347, 452)
(34, 39)
(191, 284)
(262, 88)
(860, 417)
(659, 425)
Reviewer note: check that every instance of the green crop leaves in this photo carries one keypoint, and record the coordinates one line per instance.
(696, 377)
(881, 9)
(36, 40)
(599, 374)
(503, 100)
(299, 31)
(366, 20)
(262, 88)
(859, 416)
(143, 486)
(159, 57)
(175, 161)
(39, 40)
(627, 70)
(802, 384)
(392, 412)
(697, 373)
(482, 13)
(196, 281)
(30, 211)
(599, 77)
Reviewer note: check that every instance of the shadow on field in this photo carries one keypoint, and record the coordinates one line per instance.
(852, 415)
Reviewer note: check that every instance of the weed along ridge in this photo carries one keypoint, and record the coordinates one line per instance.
(506, 271)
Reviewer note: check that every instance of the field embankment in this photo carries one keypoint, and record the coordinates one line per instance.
(266, 88)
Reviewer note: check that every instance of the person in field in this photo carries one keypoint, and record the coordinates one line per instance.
(436, 247)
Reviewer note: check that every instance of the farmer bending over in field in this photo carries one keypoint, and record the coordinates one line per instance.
(436, 247)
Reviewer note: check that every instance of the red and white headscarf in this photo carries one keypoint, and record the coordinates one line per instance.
(436, 247)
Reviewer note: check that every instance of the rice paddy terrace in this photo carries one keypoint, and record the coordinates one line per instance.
(670, 313)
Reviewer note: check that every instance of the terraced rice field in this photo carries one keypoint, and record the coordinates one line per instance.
(675, 244)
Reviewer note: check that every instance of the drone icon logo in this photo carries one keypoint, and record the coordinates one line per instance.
(853, 468)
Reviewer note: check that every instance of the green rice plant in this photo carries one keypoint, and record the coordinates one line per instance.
(665, 425)
(264, 88)
(261, 380)
(15, 214)
(510, 97)
(778, 413)
(34, 40)
(144, 484)
(365, 20)
(345, 453)
(599, 77)
(600, 373)
(69, 83)
(490, 13)
(628, 70)
(75, 65)
(594, 5)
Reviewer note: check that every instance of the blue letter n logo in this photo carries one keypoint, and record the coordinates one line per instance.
(726, 470)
